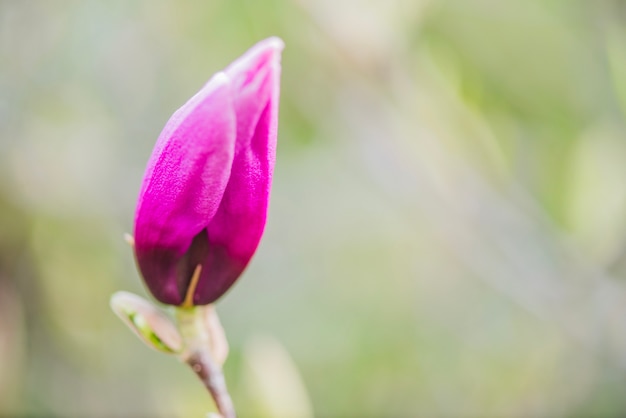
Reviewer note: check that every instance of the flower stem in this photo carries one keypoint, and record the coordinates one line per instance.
(197, 327)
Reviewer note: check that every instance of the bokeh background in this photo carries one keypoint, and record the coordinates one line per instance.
(447, 232)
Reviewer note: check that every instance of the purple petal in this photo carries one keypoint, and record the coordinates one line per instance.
(235, 230)
(182, 189)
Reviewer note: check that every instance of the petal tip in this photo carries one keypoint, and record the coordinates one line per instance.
(274, 43)
(265, 53)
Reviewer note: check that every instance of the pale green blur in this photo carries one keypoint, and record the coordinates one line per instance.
(447, 232)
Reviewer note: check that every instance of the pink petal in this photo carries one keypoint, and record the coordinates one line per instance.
(235, 230)
(184, 183)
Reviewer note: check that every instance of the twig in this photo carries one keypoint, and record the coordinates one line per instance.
(197, 335)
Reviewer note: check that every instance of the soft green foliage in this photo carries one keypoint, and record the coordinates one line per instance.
(448, 218)
(140, 323)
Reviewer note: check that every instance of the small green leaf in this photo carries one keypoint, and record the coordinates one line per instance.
(150, 324)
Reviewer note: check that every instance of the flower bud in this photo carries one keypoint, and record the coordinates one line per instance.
(203, 201)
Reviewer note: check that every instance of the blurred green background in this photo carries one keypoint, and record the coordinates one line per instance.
(447, 232)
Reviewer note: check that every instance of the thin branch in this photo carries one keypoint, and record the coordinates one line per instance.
(204, 352)
(210, 373)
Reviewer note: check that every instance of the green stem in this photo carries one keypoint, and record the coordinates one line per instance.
(194, 328)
